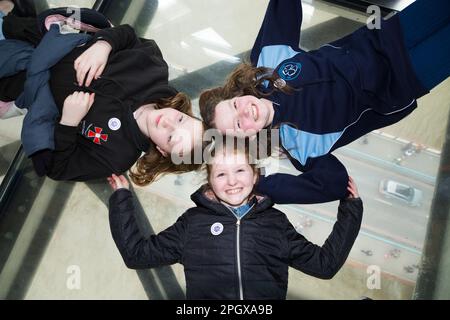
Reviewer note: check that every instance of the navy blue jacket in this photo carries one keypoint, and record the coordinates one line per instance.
(229, 258)
(342, 91)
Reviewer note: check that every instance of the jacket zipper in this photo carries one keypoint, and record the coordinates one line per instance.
(238, 249)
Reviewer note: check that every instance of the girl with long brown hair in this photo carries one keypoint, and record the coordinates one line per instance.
(113, 98)
(326, 98)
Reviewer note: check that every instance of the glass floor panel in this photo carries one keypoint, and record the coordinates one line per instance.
(55, 241)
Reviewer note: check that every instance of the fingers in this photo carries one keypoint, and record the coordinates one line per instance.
(80, 99)
(352, 194)
(91, 100)
(91, 63)
(100, 71)
(351, 182)
(118, 182)
(81, 73)
(112, 183)
(352, 187)
(90, 77)
(85, 71)
(124, 182)
(92, 72)
(72, 99)
(85, 98)
(86, 74)
(76, 107)
(82, 65)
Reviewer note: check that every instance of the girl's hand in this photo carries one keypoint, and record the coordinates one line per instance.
(118, 182)
(352, 189)
(92, 62)
(76, 106)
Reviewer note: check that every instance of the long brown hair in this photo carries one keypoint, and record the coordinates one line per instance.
(244, 80)
(153, 164)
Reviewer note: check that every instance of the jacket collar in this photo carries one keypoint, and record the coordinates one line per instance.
(242, 210)
(205, 197)
(141, 141)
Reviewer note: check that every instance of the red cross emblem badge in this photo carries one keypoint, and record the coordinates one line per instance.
(97, 135)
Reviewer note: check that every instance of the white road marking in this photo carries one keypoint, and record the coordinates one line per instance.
(384, 201)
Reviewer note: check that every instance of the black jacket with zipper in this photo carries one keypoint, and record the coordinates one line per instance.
(248, 259)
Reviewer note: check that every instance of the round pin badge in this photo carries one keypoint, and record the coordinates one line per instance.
(114, 124)
(216, 228)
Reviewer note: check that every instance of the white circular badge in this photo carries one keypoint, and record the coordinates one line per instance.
(216, 228)
(114, 124)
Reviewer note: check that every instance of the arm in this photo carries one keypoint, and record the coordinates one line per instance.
(281, 26)
(324, 179)
(72, 160)
(120, 37)
(324, 262)
(91, 64)
(137, 251)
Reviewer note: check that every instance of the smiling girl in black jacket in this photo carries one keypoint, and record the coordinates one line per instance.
(233, 244)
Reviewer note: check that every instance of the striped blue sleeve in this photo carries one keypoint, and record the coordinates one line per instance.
(302, 145)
